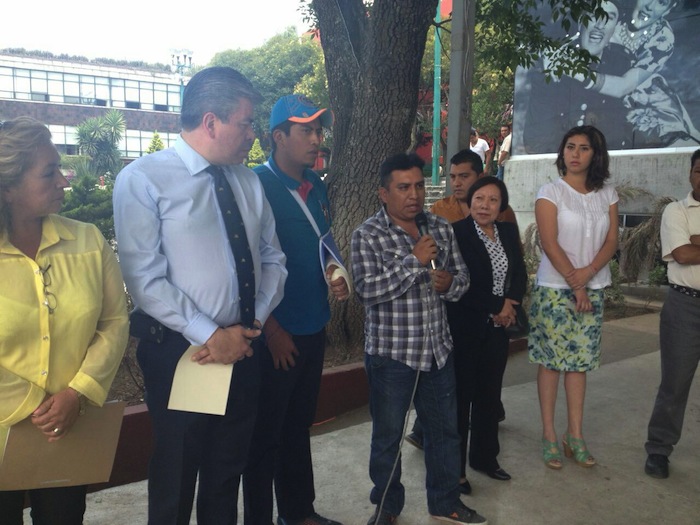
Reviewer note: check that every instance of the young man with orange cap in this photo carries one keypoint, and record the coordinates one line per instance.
(295, 333)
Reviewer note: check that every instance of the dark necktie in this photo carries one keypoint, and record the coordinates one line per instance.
(245, 270)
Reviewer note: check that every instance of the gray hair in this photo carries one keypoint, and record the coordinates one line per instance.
(217, 90)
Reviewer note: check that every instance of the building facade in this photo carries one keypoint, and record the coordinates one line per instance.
(63, 93)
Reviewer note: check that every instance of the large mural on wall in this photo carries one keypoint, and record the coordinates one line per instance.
(647, 90)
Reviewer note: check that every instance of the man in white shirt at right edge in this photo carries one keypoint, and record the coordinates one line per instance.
(680, 324)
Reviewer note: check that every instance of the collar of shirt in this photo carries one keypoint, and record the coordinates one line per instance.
(690, 200)
(52, 231)
(484, 236)
(303, 188)
(193, 161)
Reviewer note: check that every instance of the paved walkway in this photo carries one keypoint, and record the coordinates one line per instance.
(618, 404)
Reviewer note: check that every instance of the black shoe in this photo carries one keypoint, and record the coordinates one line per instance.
(384, 518)
(465, 487)
(498, 474)
(462, 514)
(313, 519)
(415, 440)
(657, 466)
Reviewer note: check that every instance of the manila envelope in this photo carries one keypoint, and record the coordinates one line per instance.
(83, 456)
(200, 388)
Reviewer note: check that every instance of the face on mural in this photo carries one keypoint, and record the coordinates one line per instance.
(597, 35)
(646, 12)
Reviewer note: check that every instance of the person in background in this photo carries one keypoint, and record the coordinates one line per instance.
(481, 147)
(198, 278)
(63, 318)
(503, 150)
(577, 220)
(680, 324)
(466, 167)
(492, 146)
(295, 336)
(408, 348)
(492, 252)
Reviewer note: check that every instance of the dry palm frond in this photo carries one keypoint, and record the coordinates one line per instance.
(532, 249)
(628, 193)
(531, 240)
(640, 246)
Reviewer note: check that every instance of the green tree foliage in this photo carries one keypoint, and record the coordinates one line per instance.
(315, 84)
(256, 155)
(98, 138)
(90, 196)
(156, 143)
(275, 68)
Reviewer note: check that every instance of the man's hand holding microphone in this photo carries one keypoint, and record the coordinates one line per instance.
(426, 251)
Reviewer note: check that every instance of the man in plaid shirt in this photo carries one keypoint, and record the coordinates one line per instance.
(407, 340)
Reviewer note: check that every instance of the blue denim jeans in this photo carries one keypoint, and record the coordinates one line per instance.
(391, 384)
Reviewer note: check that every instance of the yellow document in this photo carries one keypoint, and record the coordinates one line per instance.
(200, 388)
(83, 456)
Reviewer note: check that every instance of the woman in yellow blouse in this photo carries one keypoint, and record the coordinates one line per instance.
(63, 319)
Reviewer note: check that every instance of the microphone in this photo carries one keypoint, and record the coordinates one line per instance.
(422, 223)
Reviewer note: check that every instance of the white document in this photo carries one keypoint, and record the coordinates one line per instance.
(83, 456)
(200, 388)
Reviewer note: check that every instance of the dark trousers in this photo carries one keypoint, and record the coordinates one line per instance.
(187, 444)
(391, 386)
(479, 367)
(680, 352)
(55, 506)
(281, 449)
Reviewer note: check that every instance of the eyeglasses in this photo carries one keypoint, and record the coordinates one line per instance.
(49, 298)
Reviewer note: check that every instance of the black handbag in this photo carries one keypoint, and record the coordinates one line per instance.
(521, 326)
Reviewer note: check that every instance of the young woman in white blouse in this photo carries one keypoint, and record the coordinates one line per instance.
(577, 220)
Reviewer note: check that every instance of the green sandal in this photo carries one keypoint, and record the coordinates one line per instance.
(551, 454)
(576, 448)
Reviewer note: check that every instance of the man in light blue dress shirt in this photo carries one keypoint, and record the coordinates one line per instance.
(180, 270)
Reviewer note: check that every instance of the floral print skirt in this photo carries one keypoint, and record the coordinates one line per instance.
(560, 337)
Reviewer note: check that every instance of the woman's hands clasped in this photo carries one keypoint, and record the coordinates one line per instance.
(55, 416)
(506, 316)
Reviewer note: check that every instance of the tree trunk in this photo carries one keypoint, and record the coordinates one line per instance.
(373, 57)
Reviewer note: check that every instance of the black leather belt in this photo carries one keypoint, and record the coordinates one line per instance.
(692, 292)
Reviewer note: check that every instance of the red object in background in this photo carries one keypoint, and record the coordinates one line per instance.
(322, 160)
(445, 9)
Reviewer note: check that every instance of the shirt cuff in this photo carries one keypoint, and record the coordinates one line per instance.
(199, 330)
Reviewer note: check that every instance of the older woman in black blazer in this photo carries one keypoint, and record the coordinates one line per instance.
(493, 254)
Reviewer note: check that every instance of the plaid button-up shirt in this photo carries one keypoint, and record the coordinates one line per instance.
(406, 318)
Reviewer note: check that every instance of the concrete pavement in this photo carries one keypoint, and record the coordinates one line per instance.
(618, 404)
